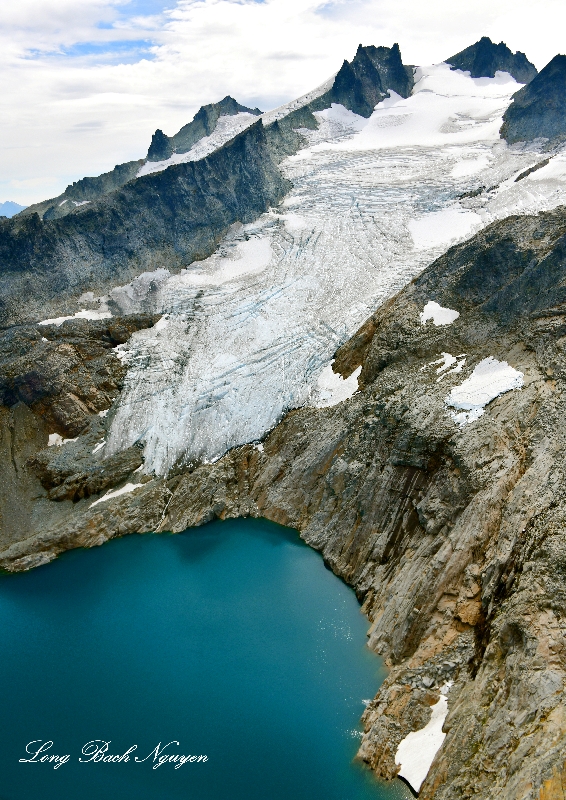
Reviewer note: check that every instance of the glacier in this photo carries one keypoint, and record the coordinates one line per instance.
(247, 333)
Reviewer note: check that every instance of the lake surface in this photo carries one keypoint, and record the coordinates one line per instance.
(232, 639)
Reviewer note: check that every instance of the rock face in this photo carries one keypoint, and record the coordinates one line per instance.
(166, 219)
(484, 58)
(59, 381)
(203, 124)
(538, 110)
(452, 536)
(363, 82)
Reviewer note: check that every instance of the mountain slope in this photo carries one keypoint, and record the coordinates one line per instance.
(9, 208)
(538, 109)
(172, 216)
(484, 58)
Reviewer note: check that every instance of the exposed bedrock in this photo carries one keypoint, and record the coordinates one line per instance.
(168, 218)
(363, 82)
(484, 58)
(203, 124)
(453, 537)
(538, 110)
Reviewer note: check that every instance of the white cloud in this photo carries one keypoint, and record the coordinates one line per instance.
(86, 82)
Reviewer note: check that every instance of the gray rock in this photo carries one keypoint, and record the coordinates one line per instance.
(484, 58)
(538, 110)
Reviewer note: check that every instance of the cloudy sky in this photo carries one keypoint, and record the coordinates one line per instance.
(86, 82)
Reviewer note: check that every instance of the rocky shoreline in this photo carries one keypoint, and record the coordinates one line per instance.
(451, 535)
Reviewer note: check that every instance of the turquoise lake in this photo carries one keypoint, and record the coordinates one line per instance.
(232, 639)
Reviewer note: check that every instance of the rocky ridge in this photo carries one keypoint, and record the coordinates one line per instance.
(451, 536)
(484, 58)
(202, 125)
(537, 110)
(168, 218)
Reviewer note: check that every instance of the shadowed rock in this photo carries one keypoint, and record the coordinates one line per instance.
(484, 58)
(363, 82)
(168, 218)
(538, 110)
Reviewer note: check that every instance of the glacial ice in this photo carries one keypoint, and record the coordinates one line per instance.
(251, 329)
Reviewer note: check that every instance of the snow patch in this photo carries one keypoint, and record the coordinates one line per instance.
(129, 487)
(248, 257)
(161, 324)
(554, 170)
(55, 440)
(84, 314)
(490, 379)
(443, 227)
(438, 314)
(332, 388)
(417, 750)
(470, 166)
(103, 413)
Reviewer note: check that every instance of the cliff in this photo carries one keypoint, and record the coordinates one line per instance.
(538, 109)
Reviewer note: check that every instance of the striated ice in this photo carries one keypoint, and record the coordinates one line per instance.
(250, 330)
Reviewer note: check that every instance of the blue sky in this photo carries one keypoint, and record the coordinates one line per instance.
(86, 82)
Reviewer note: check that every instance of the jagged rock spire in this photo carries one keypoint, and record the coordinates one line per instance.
(484, 58)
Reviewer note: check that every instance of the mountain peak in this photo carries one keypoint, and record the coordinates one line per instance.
(363, 82)
(538, 110)
(484, 58)
(202, 124)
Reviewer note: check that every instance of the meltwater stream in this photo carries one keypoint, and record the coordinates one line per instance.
(233, 640)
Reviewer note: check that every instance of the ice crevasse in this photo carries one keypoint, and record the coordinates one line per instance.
(250, 331)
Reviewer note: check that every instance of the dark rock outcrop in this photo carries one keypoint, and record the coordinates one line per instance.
(538, 110)
(203, 124)
(84, 191)
(164, 219)
(363, 82)
(65, 373)
(484, 58)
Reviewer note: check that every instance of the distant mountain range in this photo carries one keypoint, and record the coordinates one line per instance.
(9, 208)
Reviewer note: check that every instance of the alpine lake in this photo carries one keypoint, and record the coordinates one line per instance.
(232, 641)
